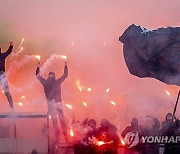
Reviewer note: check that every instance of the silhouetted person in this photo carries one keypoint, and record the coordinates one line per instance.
(85, 146)
(151, 128)
(135, 129)
(52, 89)
(3, 79)
(107, 133)
(170, 127)
(92, 130)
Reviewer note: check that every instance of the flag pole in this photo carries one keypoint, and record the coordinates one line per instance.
(176, 103)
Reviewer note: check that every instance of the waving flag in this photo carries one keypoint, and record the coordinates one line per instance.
(154, 54)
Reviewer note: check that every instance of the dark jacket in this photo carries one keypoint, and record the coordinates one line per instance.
(53, 90)
(3, 58)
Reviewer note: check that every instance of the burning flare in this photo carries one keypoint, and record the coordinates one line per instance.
(78, 83)
(167, 92)
(20, 50)
(64, 57)
(107, 90)
(84, 103)
(38, 57)
(20, 104)
(122, 141)
(71, 133)
(81, 87)
(23, 97)
(99, 143)
(21, 42)
(89, 89)
(113, 103)
(69, 106)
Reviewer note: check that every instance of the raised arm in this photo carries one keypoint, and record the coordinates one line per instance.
(9, 49)
(41, 79)
(64, 76)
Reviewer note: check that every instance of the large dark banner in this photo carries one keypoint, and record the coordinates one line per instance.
(154, 54)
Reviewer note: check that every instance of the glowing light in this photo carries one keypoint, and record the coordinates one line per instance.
(71, 133)
(167, 92)
(107, 90)
(72, 43)
(3, 91)
(89, 89)
(23, 97)
(113, 103)
(104, 43)
(81, 87)
(78, 83)
(22, 41)
(64, 57)
(49, 116)
(38, 57)
(69, 106)
(20, 104)
(122, 141)
(20, 50)
(99, 143)
(84, 103)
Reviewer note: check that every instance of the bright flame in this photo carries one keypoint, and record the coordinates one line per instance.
(122, 141)
(78, 83)
(99, 143)
(22, 41)
(89, 89)
(20, 104)
(84, 103)
(38, 57)
(3, 91)
(113, 103)
(49, 116)
(20, 50)
(64, 57)
(69, 106)
(107, 90)
(167, 92)
(71, 133)
(23, 97)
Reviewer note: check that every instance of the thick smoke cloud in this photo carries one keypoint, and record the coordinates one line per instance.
(87, 33)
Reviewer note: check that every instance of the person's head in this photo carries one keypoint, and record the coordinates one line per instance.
(92, 123)
(85, 121)
(105, 124)
(134, 122)
(169, 117)
(51, 77)
(148, 123)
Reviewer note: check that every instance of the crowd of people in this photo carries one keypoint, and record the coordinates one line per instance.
(106, 138)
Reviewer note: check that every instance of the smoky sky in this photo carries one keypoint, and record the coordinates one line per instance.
(87, 32)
